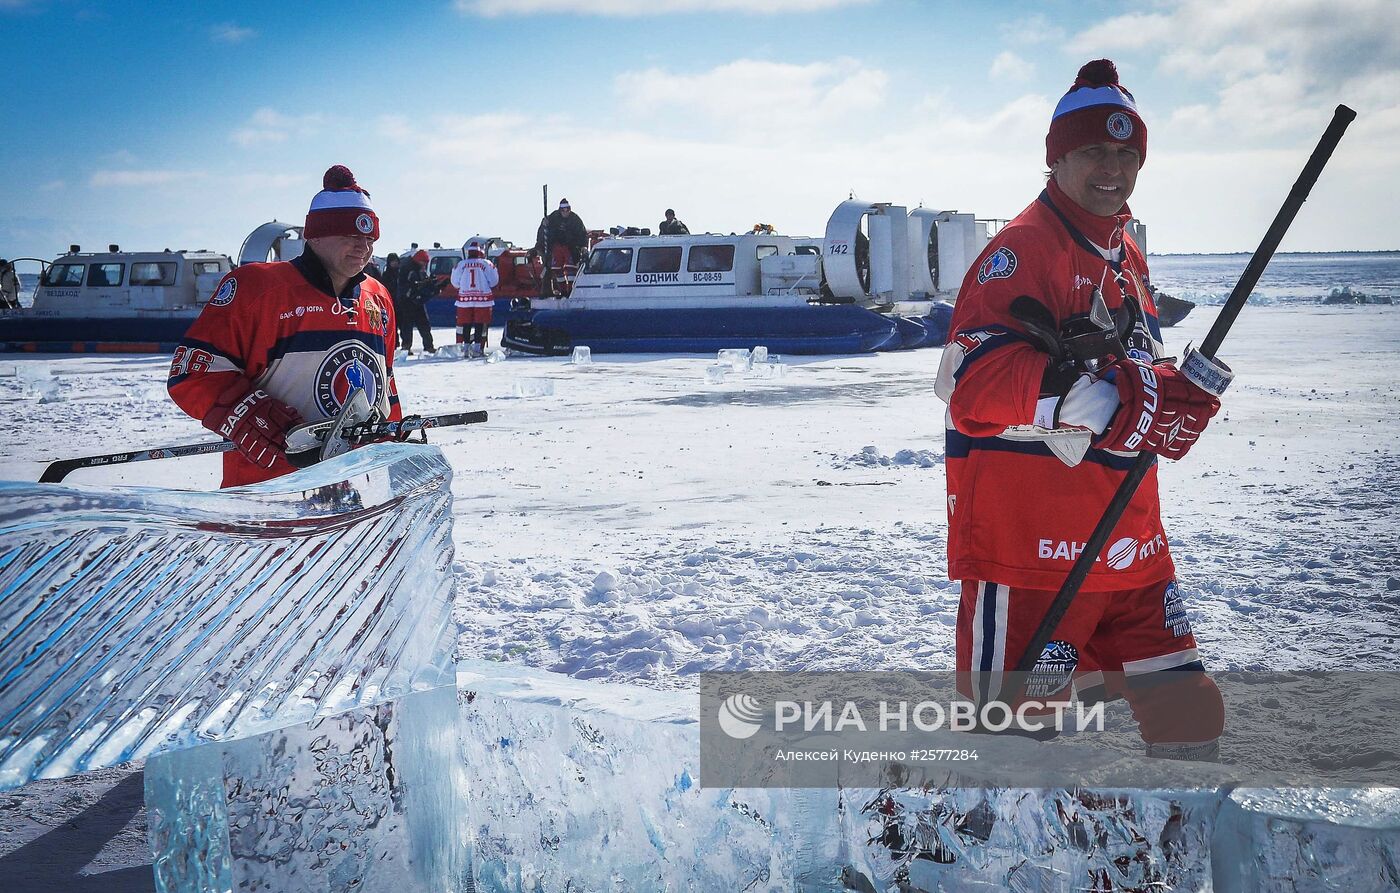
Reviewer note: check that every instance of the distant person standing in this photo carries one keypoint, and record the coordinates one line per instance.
(392, 268)
(406, 269)
(9, 286)
(415, 290)
(474, 277)
(671, 226)
(561, 241)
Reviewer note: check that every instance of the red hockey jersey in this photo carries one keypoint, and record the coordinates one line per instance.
(278, 327)
(1017, 515)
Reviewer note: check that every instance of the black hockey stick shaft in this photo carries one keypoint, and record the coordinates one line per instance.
(1341, 118)
(57, 471)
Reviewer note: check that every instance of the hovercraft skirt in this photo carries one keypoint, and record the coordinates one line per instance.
(839, 329)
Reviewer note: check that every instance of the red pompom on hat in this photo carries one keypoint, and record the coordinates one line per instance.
(341, 208)
(1095, 110)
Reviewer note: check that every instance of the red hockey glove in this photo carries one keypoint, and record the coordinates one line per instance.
(1161, 411)
(257, 424)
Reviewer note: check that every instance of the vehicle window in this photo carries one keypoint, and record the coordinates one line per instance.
(105, 275)
(710, 259)
(206, 266)
(766, 251)
(610, 260)
(153, 273)
(659, 260)
(64, 274)
(809, 249)
(442, 266)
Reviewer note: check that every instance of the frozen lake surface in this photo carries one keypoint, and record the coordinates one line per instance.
(635, 522)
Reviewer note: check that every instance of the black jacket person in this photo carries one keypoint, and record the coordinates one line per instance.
(562, 228)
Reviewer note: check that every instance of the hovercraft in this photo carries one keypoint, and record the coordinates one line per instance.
(876, 281)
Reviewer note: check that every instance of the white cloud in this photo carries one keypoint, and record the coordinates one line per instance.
(228, 32)
(1262, 78)
(1030, 30)
(1126, 32)
(1020, 123)
(1011, 67)
(103, 179)
(267, 125)
(778, 143)
(635, 8)
(725, 146)
(1269, 63)
(767, 100)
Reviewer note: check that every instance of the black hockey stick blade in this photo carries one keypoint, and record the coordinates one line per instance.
(455, 418)
(1341, 118)
(57, 471)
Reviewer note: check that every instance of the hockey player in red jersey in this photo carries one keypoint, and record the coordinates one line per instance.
(287, 342)
(1037, 443)
(474, 276)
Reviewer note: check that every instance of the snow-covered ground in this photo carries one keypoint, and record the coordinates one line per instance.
(628, 520)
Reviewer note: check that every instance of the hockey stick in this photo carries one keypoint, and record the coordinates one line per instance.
(57, 471)
(1342, 117)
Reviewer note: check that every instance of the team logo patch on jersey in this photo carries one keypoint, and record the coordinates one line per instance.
(1053, 671)
(1120, 126)
(348, 365)
(364, 224)
(1122, 553)
(376, 317)
(1174, 610)
(1000, 265)
(224, 296)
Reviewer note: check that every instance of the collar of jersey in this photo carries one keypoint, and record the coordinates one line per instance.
(1106, 233)
(311, 268)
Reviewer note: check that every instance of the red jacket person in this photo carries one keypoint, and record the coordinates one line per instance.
(1036, 445)
(287, 342)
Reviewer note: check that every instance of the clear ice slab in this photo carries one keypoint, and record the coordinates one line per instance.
(578, 785)
(136, 621)
(371, 799)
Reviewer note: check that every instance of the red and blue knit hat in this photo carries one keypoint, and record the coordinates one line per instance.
(1095, 110)
(341, 208)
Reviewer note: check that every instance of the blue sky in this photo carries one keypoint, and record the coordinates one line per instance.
(186, 125)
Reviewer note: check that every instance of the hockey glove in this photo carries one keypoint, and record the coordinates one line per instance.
(257, 424)
(1160, 410)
